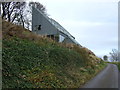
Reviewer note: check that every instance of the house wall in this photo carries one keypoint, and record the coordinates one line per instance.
(46, 27)
(68, 40)
(39, 20)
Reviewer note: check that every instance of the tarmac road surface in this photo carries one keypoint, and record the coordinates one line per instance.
(107, 78)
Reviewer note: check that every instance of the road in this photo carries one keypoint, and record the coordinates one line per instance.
(107, 78)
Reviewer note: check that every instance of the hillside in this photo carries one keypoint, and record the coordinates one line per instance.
(34, 61)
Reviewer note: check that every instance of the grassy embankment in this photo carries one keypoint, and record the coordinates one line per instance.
(118, 64)
(33, 61)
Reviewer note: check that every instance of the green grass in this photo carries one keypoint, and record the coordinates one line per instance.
(118, 65)
(31, 61)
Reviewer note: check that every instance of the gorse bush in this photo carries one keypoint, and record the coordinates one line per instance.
(34, 61)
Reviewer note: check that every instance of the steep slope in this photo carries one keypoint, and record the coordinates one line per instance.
(34, 61)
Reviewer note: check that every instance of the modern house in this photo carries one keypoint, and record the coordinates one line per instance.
(43, 25)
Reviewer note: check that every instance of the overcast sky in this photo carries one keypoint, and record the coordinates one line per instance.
(94, 23)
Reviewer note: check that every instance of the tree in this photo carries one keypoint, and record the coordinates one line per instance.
(105, 57)
(38, 6)
(11, 10)
(19, 12)
(114, 55)
(28, 20)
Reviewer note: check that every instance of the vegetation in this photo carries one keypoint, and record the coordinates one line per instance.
(20, 13)
(118, 65)
(13, 10)
(114, 55)
(34, 61)
(105, 57)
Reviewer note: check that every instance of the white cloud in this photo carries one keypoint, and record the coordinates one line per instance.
(81, 1)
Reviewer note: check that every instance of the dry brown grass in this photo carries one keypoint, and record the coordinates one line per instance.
(9, 30)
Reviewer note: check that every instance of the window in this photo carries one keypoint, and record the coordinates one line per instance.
(61, 38)
(39, 27)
